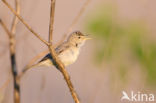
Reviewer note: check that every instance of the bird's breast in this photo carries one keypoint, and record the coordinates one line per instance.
(69, 56)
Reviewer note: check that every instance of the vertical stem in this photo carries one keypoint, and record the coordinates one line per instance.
(15, 19)
(13, 56)
(16, 84)
(51, 23)
(58, 64)
(13, 63)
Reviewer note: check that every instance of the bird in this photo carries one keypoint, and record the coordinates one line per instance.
(67, 52)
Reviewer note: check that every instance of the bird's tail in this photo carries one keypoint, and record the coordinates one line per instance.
(41, 63)
(31, 67)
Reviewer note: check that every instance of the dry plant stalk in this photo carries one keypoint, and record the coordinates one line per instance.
(13, 54)
(13, 64)
(11, 36)
(57, 62)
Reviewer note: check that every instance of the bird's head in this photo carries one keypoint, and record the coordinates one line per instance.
(77, 38)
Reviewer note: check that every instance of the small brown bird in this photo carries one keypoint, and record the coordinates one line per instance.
(67, 52)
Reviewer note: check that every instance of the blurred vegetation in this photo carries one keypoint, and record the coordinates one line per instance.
(122, 44)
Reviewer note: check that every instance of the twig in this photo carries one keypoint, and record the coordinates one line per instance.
(51, 23)
(13, 54)
(76, 19)
(22, 20)
(13, 62)
(58, 64)
(15, 19)
(5, 28)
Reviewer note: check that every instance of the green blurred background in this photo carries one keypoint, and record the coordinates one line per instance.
(122, 44)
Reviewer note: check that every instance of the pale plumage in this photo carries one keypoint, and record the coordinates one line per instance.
(67, 51)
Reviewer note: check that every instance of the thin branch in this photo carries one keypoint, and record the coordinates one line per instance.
(74, 22)
(58, 64)
(22, 20)
(15, 19)
(5, 28)
(52, 9)
(13, 62)
(51, 23)
(13, 54)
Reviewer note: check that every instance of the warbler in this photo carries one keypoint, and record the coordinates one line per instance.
(67, 52)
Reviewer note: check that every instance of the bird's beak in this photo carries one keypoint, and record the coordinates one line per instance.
(87, 37)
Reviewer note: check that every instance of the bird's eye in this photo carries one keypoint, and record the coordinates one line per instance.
(79, 37)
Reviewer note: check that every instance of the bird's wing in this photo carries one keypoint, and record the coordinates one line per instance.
(58, 51)
(48, 56)
(61, 48)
